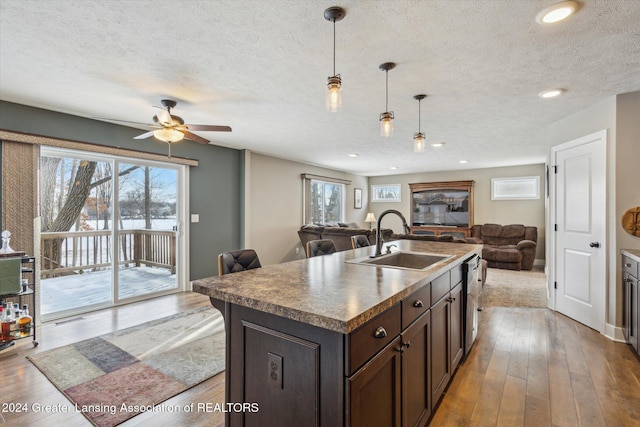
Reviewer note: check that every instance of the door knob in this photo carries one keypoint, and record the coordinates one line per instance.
(594, 244)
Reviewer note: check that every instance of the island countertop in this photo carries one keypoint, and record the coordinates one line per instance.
(327, 291)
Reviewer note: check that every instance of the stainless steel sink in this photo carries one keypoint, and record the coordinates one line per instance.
(403, 259)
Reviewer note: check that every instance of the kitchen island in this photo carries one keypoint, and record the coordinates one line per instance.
(328, 341)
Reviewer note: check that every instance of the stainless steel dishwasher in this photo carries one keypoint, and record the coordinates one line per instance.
(472, 291)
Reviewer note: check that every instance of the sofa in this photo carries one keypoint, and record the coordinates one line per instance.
(341, 235)
(510, 247)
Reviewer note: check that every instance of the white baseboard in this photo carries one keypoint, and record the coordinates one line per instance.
(614, 333)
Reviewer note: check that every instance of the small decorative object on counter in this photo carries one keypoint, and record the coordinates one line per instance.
(24, 322)
(6, 237)
(8, 322)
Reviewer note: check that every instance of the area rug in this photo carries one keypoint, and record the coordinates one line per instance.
(508, 288)
(116, 376)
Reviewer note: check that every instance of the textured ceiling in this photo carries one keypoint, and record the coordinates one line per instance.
(261, 68)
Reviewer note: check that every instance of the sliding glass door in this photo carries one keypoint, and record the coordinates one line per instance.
(109, 230)
(147, 232)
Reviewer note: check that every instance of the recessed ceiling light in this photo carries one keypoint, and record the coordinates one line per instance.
(552, 93)
(557, 12)
(394, 167)
(437, 144)
(353, 155)
(464, 161)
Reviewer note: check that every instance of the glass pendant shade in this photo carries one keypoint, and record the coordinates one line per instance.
(386, 124)
(386, 118)
(418, 142)
(334, 96)
(168, 135)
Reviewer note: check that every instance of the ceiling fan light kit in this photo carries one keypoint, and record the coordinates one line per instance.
(386, 118)
(168, 135)
(418, 137)
(334, 83)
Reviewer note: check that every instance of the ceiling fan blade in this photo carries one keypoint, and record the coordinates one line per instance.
(194, 137)
(124, 121)
(211, 128)
(164, 118)
(144, 135)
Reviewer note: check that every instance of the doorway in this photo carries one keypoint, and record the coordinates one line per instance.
(109, 230)
(579, 218)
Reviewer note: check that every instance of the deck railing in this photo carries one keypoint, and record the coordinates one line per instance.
(74, 252)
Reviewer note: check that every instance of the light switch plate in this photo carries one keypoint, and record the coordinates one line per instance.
(195, 218)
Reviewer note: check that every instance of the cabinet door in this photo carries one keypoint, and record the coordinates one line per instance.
(416, 377)
(440, 349)
(457, 337)
(627, 307)
(634, 320)
(374, 390)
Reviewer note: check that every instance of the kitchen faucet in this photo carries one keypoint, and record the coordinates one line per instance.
(379, 233)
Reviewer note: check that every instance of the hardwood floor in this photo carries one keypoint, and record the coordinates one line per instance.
(529, 367)
(535, 367)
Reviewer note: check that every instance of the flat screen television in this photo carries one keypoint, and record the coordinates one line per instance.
(441, 207)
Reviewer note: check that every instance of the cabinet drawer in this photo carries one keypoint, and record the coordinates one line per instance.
(367, 340)
(630, 266)
(440, 286)
(415, 304)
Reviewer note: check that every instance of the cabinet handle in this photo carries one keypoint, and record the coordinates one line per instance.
(380, 332)
(407, 344)
(628, 265)
(417, 303)
(594, 244)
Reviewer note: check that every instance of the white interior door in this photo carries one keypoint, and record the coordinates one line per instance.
(580, 218)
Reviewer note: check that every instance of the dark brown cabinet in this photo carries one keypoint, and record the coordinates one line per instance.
(447, 345)
(416, 375)
(390, 371)
(457, 337)
(374, 391)
(394, 388)
(630, 274)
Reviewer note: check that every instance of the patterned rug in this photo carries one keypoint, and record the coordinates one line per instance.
(508, 288)
(116, 376)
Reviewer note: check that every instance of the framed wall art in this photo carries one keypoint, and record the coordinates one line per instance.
(385, 193)
(357, 198)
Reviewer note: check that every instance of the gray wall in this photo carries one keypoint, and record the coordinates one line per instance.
(216, 185)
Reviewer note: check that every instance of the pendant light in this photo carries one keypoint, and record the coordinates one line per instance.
(334, 83)
(418, 137)
(386, 118)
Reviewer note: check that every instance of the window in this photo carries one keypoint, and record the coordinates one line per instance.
(326, 202)
(324, 199)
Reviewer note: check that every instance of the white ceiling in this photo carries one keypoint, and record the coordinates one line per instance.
(261, 68)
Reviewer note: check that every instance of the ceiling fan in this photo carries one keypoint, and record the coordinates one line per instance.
(170, 128)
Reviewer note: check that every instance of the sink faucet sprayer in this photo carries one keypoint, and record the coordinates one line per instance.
(379, 233)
